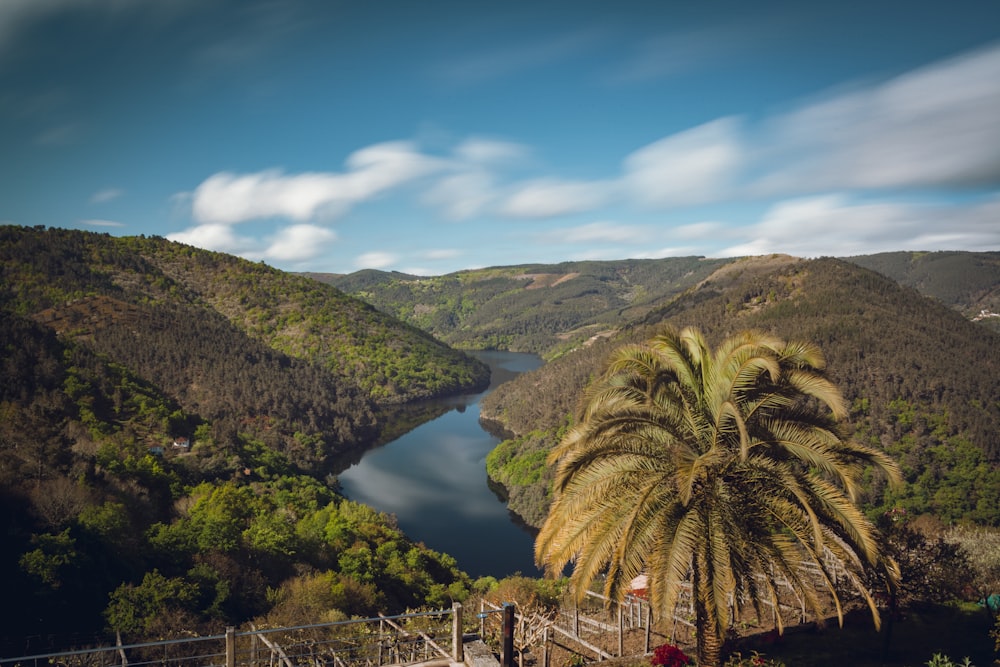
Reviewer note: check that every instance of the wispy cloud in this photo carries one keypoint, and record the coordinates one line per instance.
(227, 198)
(935, 126)
(550, 198)
(474, 68)
(837, 225)
(463, 195)
(669, 54)
(691, 167)
(101, 223)
(299, 243)
(820, 165)
(219, 237)
(441, 253)
(483, 151)
(291, 244)
(375, 260)
(605, 232)
(106, 195)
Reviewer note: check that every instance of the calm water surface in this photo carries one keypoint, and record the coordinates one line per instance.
(433, 479)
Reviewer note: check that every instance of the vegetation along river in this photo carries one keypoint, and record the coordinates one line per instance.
(433, 479)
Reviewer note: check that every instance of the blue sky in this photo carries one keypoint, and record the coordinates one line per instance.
(429, 137)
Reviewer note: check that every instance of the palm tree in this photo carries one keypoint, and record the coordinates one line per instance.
(724, 471)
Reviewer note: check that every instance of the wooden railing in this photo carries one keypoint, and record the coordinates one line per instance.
(396, 640)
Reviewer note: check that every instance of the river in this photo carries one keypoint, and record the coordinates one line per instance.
(433, 479)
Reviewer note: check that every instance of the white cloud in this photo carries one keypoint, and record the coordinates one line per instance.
(214, 236)
(441, 253)
(106, 195)
(102, 223)
(295, 243)
(691, 167)
(375, 260)
(599, 232)
(299, 242)
(833, 225)
(231, 198)
(479, 150)
(935, 126)
(463, 195)
(699, 230)
(549, 198)
(672, 251)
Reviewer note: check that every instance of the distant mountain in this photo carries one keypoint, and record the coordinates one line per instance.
(550, 308)
(527, 308)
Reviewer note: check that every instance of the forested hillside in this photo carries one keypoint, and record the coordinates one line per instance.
(544, 309)
(48, 270)
(924, 382)
(966, 281)
(167, 421)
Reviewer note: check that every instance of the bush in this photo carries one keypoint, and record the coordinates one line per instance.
(755, 660)
(669, 655)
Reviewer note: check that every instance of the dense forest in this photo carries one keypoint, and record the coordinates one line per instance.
(168, 418)
(966, 281)
(923, 380)
(48, 272)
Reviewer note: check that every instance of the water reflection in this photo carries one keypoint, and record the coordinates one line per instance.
(433, 478)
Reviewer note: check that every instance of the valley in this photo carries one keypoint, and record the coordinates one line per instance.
(114, 348)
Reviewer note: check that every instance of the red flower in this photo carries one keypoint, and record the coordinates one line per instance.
(669, 655)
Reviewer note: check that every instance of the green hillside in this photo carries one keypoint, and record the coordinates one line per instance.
(923, 380)
(168, 418)
(544, 309)
(48, 272)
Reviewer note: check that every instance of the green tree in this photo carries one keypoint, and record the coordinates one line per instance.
(713, 469)
(136, 609)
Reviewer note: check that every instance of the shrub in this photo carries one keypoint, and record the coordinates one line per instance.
(669, 655)
(754, 660)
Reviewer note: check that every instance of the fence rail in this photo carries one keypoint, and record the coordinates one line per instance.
(403, 639)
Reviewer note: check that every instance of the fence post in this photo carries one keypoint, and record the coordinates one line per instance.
(507, 647)
(621, 631)
(230, 646)
(457, 648)
(649, 625)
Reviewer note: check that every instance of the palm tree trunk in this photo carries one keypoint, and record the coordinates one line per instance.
(709, 644)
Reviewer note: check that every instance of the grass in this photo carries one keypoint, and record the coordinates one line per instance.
(913, 640)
